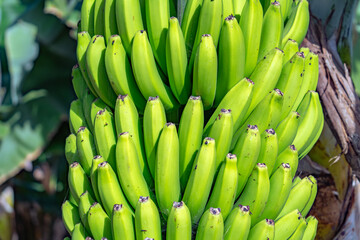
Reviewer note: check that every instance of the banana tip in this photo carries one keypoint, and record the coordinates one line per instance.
(117, 207)
(143, 199)
(244, 208)
(178, 204)
(270, 131)
(270, 221)
(215, 211)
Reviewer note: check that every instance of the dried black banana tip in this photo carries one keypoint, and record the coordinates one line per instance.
(169, 124)
(253, 127)
(103, 164)
(208, 139)
(206, 35)
(215, 211)
(123, 133)
(276, 3)
(122, 97)
(81, 129)
(270, 131)
(143, 199)
(300, 54)
(94, 204)
(244, 208)
(279, 92)
(292, 147)
(89, 238)
(285, 165)
(230, 17)
(74, 164)
(231, 156)
(101, 112)
(178, 204)
(117, 207)
(270, 221)
(250, 81)
(84, 193)
(153, 98)
(97, 157)
(195, 97)
(261, 165)
(225, 110)
(279, 50)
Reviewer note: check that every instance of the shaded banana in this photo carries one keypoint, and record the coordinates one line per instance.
(122, 223)
(79, 232)
(147, 219)
(86, 148)
(268, 149)
(76, 116)
(237, 224)
(299, 232)
(99, 17)
(87, 16)
(290, 48)
(238, 8)
(211, 225)
(70, 215)
(179, 222)
(99, 222)
(311, 201)
(110, 27)
(289, 156)
(78, 181)
(264, 229)
(287, 129)
(228, 8)
(87, 101)
(311, 228)
(71, 154)
(85, 202)
(93, 176)
(78, 82)
(96, 106)
(286, 226)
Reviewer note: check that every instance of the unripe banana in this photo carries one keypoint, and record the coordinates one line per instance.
(176, 62)
(71, 150)
(256, 191)
(190, 136)
(299, 232)
(79, 232)
(122, 223)
(311, 201)
(99, 18)
(247, 150)
(110, 27)
(105, 136)
(157, 23)
(237, 224)
(205, 71)
(231, 57)
(291, 47)
(238, 8)
(99, 222)
(87, 101)
(201, 178)
(147, 220)
(85, 202)
(72, 199)
(265, 5)
(78, 181)
(298, 197)
(263, 230)
(280, 186)
(128, 169)
(285, 8)
(146, 74)
(238, 100)
(127, 120)
(96, 106)
(211, 225)
(287, 129)
(87, 16)
(289, 156)
(290, 82)
(109, 188)
(271, 31)
(179, 222)
(305, 51)
(269, 149)
(86, 148)
(167, 180)
(228, 8)
(251, 23)
(311, 228)
(120, 74)
(224, 191)
(298, 23)
(78, 82)
(70, 215)
(76, 116)
(286, 226)
(129, 21)
(221, 131)
(95, 63)
(93, 175)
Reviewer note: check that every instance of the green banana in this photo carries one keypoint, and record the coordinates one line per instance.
(122, 223)
(198, 188)
(127, 120)
(290, 48)
(285, 8)
(221, 131)
(287, 129)
(238, 8)
(247, 150)
(72, 199)
(129, 170)
(157, 23)
(146, 74)
(87, 100)
(280, 186)
(256, 192)
(95, 63)
(305, 50)
(224, 191)
(78, 181)
(79, 232)
(109, 188)
(311, 228)
(286, 226)
(237, 100)
(93, 176)
(298, 197)
(190, 136)
(228, 8)
(167, 180)
(78, 82)
(120, 74)
(179, 222)
(110, 27)
(147, 219)
(271, 31)
(105, 136)
(85, 202)
(87, 16)
(96, 106)
(268, 149)
(237, 224)
(129, 21)
(299, 232)
(70, 215)
(290, 82)
(211, 225)
(99, 222)
(99, 17)
(154, 121)
(298, 23)
(311, 201)
(76, 116)
(71, 153)
(251, 22)
(289, 156)
(205, 71)
(264, 229)
(176, 62)
(86, 148)
(231, 57)
(265, 5)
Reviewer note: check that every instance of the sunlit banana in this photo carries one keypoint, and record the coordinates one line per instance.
(238, 7)
(289, 156)
(147, 219)
(179, 222)
(237, 224)
(99, 222)
(211, 225)
(201, 178)
(87, 16)
(264, 229)
(300, 230)
(190, 136)
(290, 48)
(311, 228)
(287, 129)
(146, 74)
(305, 51)
(122, 223)
(70, 215)
(110, 27)
(269, 149)
(286, 226)
(96, 106)
(78, 181)
(85, 202)
(311, 201)
(78, 82)
(79, 232)
(231, 57)
(76, 116)
(224, 191)
(86, 148)
(71, 150)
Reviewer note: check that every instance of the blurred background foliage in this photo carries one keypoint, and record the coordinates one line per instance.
(37, 53)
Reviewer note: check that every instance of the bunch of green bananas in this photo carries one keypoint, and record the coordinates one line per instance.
(227, 171)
